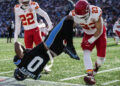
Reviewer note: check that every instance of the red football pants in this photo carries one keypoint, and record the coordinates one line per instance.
(30, 36)
(100, 43)
(117, 33)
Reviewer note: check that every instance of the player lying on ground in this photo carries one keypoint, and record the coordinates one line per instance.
(31, 62)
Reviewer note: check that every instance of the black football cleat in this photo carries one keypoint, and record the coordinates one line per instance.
(95, 70)
(71, 52)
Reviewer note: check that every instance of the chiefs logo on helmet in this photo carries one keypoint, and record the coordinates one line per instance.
(82, 9)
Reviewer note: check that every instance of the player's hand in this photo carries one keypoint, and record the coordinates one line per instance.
(50, 27)
(85, 44)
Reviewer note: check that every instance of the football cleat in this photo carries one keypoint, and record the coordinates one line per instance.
(95, 70)
(89, 79)
(71, 52)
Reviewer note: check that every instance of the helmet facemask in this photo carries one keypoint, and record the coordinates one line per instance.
(86, 16)
(25, 3)
(18, 75)
(82, 9)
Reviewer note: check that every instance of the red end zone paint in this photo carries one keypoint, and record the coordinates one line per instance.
(1, 80)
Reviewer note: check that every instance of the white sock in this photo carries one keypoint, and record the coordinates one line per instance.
(116, 39)
(87, 59)
(100, 61)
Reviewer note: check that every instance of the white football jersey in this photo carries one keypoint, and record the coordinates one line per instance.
(28, 17)
(116, 26)
(89, 24)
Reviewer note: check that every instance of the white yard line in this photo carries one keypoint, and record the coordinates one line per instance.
(114, 69)
(6, 72)
(30, 82)
(110, 41)
(110, 82)
(5, 60)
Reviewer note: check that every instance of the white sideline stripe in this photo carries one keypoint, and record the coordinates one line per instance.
(6, 72)
(5, 60)
(30, 82)
(118, 68)
(110, 41)
(110, 82)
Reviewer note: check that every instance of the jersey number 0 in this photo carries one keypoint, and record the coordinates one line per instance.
(35, 64)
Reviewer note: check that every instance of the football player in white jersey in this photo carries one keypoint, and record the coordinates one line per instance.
(116, 30)
(89, 17)
(26, 13)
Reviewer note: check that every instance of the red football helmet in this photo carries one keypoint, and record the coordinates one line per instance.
(82, 9)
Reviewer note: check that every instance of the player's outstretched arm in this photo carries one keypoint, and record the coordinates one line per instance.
(19, 49)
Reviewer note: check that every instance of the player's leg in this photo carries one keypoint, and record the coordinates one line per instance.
(101, 45)
(10, 37)
(89, 79)
(28, 38)
(55, 39)
(68, 37)
(117, 36)
(37, 36)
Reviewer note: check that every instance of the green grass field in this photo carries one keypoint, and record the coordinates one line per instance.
(66, 67)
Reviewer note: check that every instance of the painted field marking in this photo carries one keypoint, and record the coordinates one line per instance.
(118, 68)
(30, 82)
(110, 82)
(6, 60)
(6, 72)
